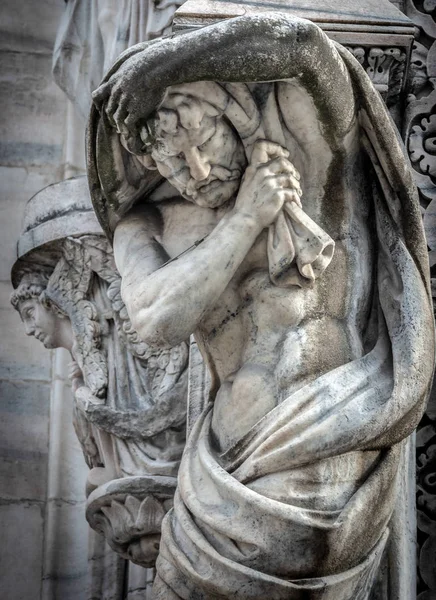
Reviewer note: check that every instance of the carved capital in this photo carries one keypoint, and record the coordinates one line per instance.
(129, 513)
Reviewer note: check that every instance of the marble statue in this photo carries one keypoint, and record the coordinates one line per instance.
(258, 197)
(130, 400)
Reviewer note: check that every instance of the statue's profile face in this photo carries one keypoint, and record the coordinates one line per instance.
(44, 324)
(205, 163)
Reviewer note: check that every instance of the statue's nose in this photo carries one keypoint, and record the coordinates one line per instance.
(29, 328)
(198, 164)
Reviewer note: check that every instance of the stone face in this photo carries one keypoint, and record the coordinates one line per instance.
(18, 361)
(277, 221)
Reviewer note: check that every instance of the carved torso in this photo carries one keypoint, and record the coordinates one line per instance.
(263, 342)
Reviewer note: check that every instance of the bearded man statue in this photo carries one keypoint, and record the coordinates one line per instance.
(258, 197)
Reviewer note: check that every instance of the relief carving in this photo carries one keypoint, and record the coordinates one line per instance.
(420, 138)
(385, 67)
(129, 400)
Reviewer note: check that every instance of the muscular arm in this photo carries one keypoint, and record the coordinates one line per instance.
(279, 47)
(167, 304)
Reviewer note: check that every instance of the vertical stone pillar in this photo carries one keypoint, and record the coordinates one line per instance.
(66, 530)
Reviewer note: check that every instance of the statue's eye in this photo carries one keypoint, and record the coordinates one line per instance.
(202, 147)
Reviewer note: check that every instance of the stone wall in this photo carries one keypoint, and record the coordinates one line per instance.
(42, 526)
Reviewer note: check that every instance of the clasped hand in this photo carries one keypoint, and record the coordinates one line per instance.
(269, 181)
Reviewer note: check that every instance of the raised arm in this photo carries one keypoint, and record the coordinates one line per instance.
(278, 47)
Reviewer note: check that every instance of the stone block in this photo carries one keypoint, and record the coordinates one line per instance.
(23, 29)
(23, 475)
(24, 430)
(65, 562)
(21, 532)
(31, 98)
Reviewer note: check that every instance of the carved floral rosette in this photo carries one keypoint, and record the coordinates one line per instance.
(385, 67)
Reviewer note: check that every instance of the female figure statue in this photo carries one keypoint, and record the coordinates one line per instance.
(130, 401)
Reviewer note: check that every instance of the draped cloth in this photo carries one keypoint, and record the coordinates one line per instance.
(271, 518)
(298, 249)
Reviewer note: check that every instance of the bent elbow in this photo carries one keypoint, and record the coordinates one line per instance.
(157, 318)
(158, 330)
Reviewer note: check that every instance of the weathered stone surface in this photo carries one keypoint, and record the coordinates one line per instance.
(17, 185)
(21, 553)
(67, 466)
(277, 274)
(66, 572)
(31, 157)
(22, 30)
(419, 134)
(38, 140)
(107, 579)
(326, 14)
(24, 426)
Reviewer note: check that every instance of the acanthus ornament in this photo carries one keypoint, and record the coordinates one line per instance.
(129, 513)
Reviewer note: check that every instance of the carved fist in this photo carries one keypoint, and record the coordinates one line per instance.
(126, 102)
(86, 401)
(269, 181)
